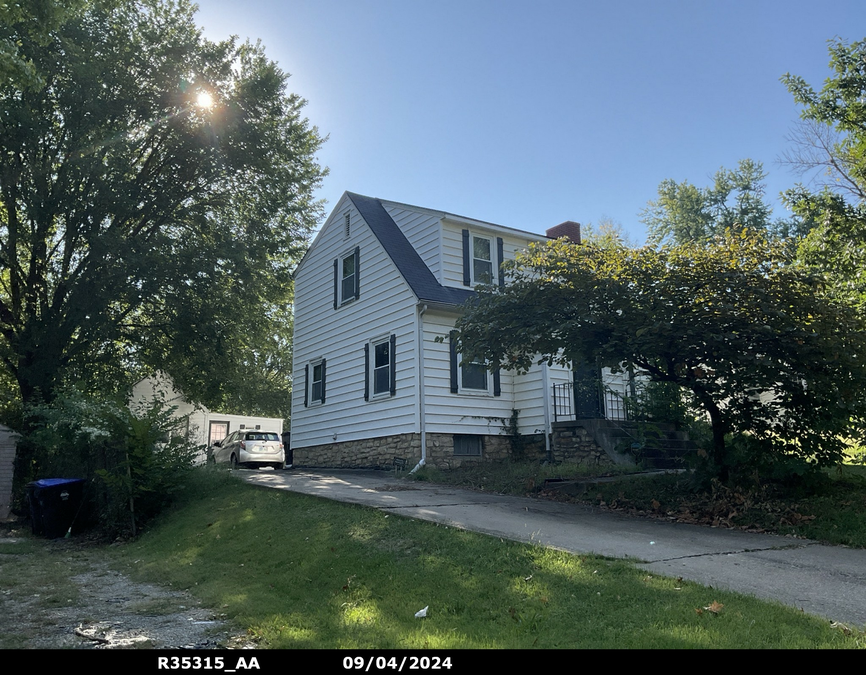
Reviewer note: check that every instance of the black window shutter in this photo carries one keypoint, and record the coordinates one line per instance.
(357, 272)
(467, 279)
(393, 355)
(323, 380)
(500, 258)
(306, 385)
(497, 386)
(336, 284)
(367, 372)
(453, 362)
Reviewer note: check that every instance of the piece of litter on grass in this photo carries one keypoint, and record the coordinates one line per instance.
(421, 613)
(527, 578)
(652, 543)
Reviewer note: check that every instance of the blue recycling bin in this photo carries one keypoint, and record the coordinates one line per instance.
(54, 505)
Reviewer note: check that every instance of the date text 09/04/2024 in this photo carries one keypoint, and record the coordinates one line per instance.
(398, 664)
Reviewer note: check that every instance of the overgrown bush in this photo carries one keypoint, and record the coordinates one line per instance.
(133, 462)
(749, 462)
(753, 463)
(660, 402)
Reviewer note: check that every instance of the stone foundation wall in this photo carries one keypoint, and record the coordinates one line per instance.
(379, 453)
(369, 453)
(569, 444)
(440, 450)
(575, 444)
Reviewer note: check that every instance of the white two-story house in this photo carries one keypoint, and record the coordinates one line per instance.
(379, 284)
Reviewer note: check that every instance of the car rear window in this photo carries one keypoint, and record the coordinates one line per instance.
(262, 436)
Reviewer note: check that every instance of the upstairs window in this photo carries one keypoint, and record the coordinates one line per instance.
(346, 278)
(347, 287)
(482, 260)
(482, 263)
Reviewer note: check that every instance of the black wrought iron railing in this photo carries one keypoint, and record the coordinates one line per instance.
(613, 408)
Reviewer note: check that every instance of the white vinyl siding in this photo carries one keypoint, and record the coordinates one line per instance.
(449, 413)
(422, 231)
(385, 306)
(452, 250)
(529, 394)
(356, 407)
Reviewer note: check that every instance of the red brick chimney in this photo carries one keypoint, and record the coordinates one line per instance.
(568, 229)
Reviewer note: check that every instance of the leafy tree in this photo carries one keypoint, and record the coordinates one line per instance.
(136, 461)
(753, 338)
(605, 233)
(832, 140)
(686, 213)
(156, 190)
(29, 22)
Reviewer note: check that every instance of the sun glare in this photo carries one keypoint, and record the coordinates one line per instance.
(204, 100)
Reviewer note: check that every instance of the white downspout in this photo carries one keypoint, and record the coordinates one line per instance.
(421, 409)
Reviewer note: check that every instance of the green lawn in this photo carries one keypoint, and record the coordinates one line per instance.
(302, 572)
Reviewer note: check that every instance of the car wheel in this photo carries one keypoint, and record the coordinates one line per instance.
(279, 466)
(234, 462)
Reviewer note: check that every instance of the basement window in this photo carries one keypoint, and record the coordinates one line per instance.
(467, 445)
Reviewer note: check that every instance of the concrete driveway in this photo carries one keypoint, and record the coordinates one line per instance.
(828, 581)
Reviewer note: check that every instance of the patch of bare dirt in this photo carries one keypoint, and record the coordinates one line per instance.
(64, 594)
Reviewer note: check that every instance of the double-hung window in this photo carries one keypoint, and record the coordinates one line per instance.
(346, 278)
(381, 367)
(379, 364)
(473, 376)
(482, 259)
(314, 385)
(470, 377)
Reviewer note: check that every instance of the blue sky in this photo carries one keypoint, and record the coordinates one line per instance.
(530, 113)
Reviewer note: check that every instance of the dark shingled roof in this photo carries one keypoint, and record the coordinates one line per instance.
(405, 257)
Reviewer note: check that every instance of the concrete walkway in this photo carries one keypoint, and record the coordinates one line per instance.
(828, 581)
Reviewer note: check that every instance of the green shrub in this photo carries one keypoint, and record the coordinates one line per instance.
(134, 462)
(661, 402)
(752, 462)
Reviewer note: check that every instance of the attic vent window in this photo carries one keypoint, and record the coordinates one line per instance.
(348, 228)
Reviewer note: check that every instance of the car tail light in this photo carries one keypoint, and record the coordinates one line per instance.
(243, 445)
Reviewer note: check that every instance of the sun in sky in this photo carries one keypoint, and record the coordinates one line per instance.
(204, 100)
